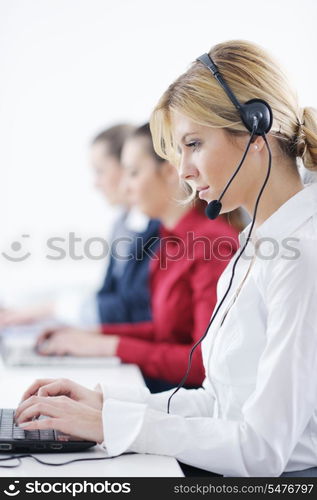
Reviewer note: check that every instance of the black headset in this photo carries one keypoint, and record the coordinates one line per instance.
(255, 114)
(255, 109)
(257, 117)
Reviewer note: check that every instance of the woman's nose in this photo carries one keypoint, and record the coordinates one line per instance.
(187, 171)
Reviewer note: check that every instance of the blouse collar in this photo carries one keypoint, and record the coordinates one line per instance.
(288, 217)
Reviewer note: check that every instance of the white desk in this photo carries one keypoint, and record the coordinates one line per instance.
(14, 381)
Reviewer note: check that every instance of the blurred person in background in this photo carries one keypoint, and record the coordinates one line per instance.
(124, 274)
(188, 260)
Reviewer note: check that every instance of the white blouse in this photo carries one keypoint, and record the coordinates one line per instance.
(256, 414)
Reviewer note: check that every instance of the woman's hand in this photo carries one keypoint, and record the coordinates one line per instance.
(76, 342)
(31, 314)
(62, 387)
(64, 415)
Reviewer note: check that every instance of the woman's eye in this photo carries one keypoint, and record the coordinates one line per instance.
(193, 144)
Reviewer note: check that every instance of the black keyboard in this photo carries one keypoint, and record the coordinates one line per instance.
(8, 429)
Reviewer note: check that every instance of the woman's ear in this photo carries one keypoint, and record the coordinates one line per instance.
(257, 145)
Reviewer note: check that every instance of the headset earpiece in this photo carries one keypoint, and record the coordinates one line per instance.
(257, 112)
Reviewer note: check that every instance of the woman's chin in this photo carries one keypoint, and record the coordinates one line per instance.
(207, 195)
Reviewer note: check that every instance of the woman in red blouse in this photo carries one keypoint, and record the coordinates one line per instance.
(186, 263)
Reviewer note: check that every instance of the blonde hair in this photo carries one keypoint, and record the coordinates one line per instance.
(251, 73)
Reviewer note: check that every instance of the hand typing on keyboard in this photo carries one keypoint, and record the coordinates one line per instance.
(64, 387)
(73, 403)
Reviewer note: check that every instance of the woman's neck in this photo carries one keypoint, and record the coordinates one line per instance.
(283, 184)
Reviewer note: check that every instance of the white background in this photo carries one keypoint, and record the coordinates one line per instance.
(72, 67)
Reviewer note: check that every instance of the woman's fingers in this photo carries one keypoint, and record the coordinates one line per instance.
(49, 407)
(46, 335)
(43, 424)
(24, 405)
(49, 334)
(54, 345)
(57, 387)
(33, 389)
(65, 415)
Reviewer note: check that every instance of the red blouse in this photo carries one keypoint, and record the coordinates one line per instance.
(183, 279)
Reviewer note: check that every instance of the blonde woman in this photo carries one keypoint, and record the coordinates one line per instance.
(256, 414)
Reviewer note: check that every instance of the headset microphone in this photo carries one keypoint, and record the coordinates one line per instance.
(255, 114)
(213, 209)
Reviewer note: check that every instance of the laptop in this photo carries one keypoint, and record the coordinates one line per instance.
(17, 440)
